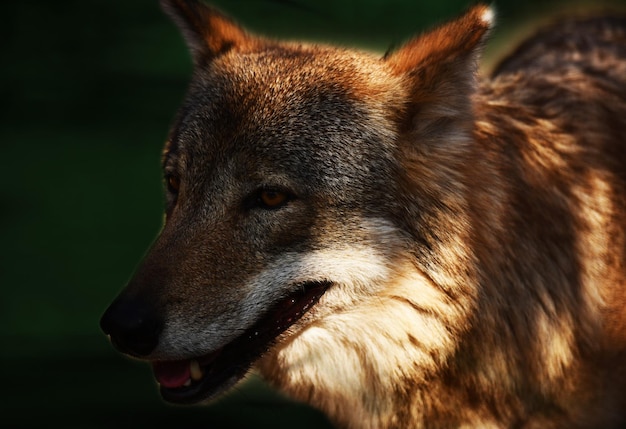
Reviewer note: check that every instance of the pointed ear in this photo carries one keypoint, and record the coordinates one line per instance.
(440, 69)
(206, 31)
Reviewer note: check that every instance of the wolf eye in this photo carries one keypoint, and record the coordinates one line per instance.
(272, 199)
(173, 183)
(268, 198)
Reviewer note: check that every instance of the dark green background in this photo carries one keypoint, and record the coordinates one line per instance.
(88, 91)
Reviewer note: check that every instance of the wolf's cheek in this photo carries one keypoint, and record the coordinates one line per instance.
(321, 362)
(353, 269)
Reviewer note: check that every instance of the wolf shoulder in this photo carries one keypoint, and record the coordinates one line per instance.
(596, 43)
(565, 89)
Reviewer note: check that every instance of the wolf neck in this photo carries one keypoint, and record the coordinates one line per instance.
(381, 363)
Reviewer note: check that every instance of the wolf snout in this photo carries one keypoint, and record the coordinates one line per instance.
(133, 326)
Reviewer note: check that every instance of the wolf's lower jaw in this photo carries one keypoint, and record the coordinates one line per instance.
(195, 379)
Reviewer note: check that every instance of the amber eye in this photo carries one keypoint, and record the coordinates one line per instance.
(173, 183)
(273, 199)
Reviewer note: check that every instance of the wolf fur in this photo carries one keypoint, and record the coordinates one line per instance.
(456, 245)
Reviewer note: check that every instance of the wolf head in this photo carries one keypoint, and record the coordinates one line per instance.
(298, 179)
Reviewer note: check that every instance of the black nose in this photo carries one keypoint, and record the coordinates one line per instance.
(133, 326)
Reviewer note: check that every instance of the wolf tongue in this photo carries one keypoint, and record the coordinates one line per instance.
(172, 374)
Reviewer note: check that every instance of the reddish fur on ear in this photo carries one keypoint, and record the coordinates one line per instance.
(208, 33)
(439, 69)
(444, 44)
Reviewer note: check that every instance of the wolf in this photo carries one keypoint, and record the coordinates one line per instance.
(395, 241)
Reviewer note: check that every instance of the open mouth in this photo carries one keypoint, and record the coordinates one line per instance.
(196, 379)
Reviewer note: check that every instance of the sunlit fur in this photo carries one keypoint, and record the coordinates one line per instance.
(473, 230)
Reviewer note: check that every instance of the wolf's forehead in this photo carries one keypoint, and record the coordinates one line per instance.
(282, 83)
(284, 69)
(300, 96)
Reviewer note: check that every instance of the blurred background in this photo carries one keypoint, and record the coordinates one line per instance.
(89, 89)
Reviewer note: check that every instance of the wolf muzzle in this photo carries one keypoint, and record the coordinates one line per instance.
(132, 325)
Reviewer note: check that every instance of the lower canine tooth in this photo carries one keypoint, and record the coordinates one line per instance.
(187, 383)
(196, 371)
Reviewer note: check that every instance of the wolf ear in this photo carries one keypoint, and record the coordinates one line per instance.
(207, 32)
(440, 70)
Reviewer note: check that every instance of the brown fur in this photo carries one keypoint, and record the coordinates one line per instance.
(470, 233)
